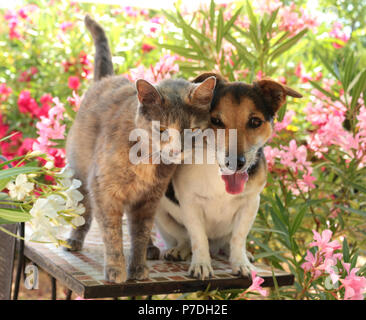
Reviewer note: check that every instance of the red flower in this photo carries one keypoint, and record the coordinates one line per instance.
(27, 104)
(147, 48)
(74, 82)
(26, 146)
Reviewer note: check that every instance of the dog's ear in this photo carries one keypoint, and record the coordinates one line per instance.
(219, 78)
(275, 93)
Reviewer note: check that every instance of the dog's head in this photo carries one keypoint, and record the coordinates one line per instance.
(249, 109)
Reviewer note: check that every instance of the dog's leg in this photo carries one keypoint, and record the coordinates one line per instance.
(193, 220)
(243, 222)
(174, 235)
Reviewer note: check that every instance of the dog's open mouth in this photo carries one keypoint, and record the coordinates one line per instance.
(235, 182)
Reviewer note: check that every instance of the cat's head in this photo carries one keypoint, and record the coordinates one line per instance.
(171, 107)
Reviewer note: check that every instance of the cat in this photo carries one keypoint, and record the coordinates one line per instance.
(98, 146)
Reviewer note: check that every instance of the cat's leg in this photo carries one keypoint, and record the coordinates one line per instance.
(243, 222)
(175, 236)
(77, 236)
(108, 211)
(140, 222)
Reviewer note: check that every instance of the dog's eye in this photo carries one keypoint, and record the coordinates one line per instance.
(255, 122)
(217, 122)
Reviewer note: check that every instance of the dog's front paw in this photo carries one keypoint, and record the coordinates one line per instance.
(201, 270)
(179, 253)
(138, 272)
(115, 273)
(243, 269)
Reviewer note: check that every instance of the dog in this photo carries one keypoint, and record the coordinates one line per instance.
(212, 207)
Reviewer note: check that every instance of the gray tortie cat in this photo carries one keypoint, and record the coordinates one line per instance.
(98, 151)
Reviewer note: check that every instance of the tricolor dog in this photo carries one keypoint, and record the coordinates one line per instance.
(211, 207)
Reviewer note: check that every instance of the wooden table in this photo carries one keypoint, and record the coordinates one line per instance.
(82, 272)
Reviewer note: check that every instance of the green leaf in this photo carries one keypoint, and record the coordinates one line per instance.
(356, 211)
(345, 249)
(287, 45)
(333, 70)
(281, 113)
(244, 53)
(219, 30)
(359, 87)
(212, 15)
(12, 172)
(269, 24)
(14, 215)
(252, 17)
(231, 22)
(3, 183)
(327, 93)
(297, 221)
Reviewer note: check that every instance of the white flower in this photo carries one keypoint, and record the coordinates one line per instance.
(78, 221)
(48, 207)
(49, 165)
(73, 196)
(21, 188)
(66, 172)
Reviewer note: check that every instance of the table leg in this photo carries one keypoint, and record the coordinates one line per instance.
(53, 285)
(20, 263)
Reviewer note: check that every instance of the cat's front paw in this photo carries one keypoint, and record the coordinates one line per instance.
(116, 274)
(138, 272)
(201, 270)
(74, 245)
(179, 253)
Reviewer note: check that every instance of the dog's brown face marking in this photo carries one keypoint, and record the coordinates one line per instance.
(249, 109)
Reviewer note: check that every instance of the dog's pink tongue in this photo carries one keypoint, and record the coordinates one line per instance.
(234, 183)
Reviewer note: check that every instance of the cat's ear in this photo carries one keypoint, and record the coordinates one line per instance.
(275, 93)
(203, 92)
(147, 93)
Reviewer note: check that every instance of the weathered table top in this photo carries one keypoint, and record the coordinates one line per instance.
(82, 272)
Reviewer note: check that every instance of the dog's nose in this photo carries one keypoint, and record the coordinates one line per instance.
(240, 161)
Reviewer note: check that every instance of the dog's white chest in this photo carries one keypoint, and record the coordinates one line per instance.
(207, 189)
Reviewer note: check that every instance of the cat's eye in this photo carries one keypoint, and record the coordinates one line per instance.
(195, 129)
(162, 129)
(217, 122)
(255, 122)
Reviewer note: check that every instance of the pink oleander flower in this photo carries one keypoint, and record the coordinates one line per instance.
(338, 33)
(50, 127)
(287, 119)
(75, 100)
(162, 70)
(67, 25)
(355, 286)
(293, 21)
(4, 92)
(256, 285)
(74, 82)
(324, 244)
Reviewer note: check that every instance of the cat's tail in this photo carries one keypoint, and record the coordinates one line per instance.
(103, 66)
